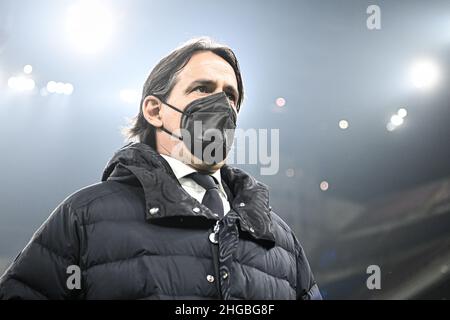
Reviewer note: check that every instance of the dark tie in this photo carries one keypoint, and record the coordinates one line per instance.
(211, 199)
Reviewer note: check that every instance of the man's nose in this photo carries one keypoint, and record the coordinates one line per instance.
(218, 90)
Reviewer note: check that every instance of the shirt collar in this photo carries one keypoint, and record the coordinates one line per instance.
(181, 170)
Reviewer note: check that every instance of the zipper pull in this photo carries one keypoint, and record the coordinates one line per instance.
(214, 236)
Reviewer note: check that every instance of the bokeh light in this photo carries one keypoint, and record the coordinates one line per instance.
(280, 102)
(89, 26)
(424, 74)
(343, 124)
(324, 185)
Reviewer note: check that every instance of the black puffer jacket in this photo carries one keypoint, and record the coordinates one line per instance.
(139, 235)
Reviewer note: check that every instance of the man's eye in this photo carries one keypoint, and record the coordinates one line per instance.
(202, 89)
(231, 97)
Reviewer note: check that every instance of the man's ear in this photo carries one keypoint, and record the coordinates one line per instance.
(151, 107)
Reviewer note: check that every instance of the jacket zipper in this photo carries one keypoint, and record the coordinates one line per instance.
(215, 257)
(215, 246)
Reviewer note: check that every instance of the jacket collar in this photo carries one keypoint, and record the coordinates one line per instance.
(138, 162)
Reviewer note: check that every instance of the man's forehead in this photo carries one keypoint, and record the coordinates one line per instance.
(209, 66)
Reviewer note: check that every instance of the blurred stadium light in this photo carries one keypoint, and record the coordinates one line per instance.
(424, 74)
(324, 185)
(21, 83)
(396, 120)
(28, 69)
(402, 112)
(280, 102)
(90, 25)
(343, 124)
(59, 88)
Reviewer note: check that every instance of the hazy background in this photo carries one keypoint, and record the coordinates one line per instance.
(355, 197)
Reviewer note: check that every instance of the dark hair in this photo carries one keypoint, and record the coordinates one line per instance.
(163, 78)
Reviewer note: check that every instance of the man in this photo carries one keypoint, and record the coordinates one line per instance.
(168, 222)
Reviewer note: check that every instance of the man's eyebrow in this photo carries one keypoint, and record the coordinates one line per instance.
(207, 82)
(200, 82)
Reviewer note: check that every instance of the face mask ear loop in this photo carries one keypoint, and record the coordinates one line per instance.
(176, 109)
(172, 134)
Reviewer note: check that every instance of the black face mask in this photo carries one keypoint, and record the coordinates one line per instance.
(207, 127)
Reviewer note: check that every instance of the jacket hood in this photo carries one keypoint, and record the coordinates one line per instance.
(138, 163)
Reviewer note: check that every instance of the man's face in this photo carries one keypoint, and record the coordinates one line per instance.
(205, 74)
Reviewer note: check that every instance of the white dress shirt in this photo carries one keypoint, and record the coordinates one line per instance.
(181, 170)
